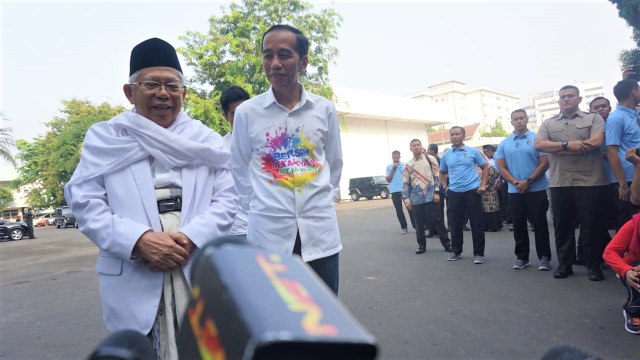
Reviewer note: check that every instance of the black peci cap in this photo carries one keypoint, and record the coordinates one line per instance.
(153, 52)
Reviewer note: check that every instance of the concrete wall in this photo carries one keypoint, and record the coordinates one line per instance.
(367, 146)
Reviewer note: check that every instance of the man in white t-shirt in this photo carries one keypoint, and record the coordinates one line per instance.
(286, 160)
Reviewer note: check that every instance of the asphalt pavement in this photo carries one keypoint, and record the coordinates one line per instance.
(418, 306)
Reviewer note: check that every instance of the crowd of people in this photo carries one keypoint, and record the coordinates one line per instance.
(581, 164)
(154, 185)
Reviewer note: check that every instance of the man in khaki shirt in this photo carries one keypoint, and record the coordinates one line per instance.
(578, 181)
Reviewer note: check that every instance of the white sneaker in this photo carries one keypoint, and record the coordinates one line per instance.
(544, 264)
(478, 259)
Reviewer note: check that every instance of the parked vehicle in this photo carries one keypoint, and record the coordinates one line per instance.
(44, 220)
(65, 218)
(13, 230)
(369, 187)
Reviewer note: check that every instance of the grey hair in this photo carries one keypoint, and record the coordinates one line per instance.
(134, 77)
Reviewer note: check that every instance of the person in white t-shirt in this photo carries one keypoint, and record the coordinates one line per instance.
(286, 160)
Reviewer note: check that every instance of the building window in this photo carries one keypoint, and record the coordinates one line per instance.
(9, 214)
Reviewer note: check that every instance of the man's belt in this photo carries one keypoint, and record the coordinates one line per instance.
(169, 200)
(167, 205)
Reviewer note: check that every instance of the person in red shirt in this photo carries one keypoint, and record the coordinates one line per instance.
(623, 255)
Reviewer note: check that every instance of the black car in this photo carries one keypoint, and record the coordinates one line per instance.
(368, 187)
(13, 230)
(64, 218)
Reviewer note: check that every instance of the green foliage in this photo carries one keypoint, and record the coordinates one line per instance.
(629, 57)
(6, 143)
(48, 162)
(230, 52)
(630, 11)
(497, 130)
(6, 197)
(433, 129)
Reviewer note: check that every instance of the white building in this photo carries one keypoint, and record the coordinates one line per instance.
(469, 106)
(372, 125)
(546, 106)
(7, 175)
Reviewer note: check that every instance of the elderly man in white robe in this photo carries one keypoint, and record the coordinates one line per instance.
(152, 186)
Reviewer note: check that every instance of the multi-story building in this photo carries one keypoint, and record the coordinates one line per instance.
(7, 175)
(545, 104)
(469, 106)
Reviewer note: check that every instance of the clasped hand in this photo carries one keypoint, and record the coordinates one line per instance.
(164, 251)
(578, 145)
(633, 277)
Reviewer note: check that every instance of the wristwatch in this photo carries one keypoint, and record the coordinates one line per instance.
(623, 186)
(565, 144)
(529, 181)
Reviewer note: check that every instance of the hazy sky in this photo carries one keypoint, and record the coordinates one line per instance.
(53, 51)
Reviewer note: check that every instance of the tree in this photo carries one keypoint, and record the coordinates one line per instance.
(6, 143)
(230, 52)
(630, 11)
(495, 131)
(49, 161)
(6, 197)
(433, 129)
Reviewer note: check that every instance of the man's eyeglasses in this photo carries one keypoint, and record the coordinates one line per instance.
(153, 86)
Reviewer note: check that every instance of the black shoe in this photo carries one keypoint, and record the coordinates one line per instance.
(466, 228)
(578, 261)
(595, 274)
(430, 235)
(563, 272)
(421, 250)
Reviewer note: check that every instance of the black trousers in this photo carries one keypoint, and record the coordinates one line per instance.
(327, 268)
(624, 210)
(632, 306)
(467, 203)
(586, 204)
(534, 206)
(503, 199)
(424, 213)
(396, 197)
(440, 207)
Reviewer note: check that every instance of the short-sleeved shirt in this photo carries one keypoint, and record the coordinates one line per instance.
(522, 158)
(461, 164)
(395, 185)
(622, 130)
(574, 170)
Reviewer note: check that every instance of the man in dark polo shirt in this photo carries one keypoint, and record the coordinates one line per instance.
(578, 181)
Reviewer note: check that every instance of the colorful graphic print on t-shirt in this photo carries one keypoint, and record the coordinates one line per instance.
(290, 159)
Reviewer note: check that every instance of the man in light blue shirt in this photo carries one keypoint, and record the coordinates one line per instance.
(621, 133)
(523, 167)
(464, 192)
(394, 178)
